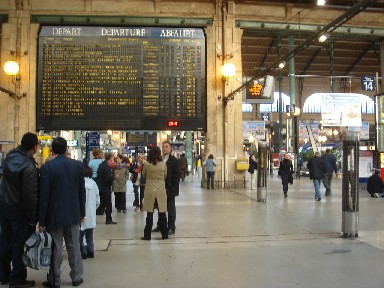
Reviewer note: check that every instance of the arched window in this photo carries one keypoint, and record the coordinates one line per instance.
(313, 103)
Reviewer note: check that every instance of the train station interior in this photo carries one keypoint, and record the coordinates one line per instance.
(229, 78)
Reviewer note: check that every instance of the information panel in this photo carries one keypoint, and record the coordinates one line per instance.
(121, 78)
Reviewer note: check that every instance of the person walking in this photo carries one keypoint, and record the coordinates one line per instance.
(18, 210)
(91, 203)
(105, 179)
(155, 173)
(183, 166)
(61, 210)
(329, 167)
(316, 173)
(121, 174)
(252, 169)
(285, 172)
(138, 181)
(209, 163)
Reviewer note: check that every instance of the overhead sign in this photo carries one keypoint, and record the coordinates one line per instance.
(260, 91)
(121, 78)
(368, 83)
(341, 109)
(92, 140)
(265, 116)
(72, 143)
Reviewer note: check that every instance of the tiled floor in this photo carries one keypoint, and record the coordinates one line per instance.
(225, 238)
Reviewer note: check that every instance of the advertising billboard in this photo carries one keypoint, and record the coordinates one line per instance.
(340, 109)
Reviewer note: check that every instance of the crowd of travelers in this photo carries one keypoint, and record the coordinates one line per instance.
(65, 196)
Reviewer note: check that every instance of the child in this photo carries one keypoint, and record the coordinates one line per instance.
(92, 202)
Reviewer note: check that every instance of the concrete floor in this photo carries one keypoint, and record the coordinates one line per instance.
(225, 238)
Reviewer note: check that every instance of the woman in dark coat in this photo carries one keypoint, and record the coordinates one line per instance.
(285, 172)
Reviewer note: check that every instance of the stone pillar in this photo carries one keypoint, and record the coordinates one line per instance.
(224, 137)
(19, 113)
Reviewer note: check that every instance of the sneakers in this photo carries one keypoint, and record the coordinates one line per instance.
(118, 211)
(25, 283)
(125, 211)
(376, 195)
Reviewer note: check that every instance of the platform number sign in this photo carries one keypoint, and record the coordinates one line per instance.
(368, 83)
(265, 116)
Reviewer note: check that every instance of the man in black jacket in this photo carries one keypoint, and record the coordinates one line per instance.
(105, 180)
(171, 185)
(18, 210)
(316, 173)
(329, 167)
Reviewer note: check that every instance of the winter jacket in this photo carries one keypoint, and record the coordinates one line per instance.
(316, 168)
(252, 165)
(19, 188)
(375, 184)
(286, 171)
(120, 182)
(173, 176)
(92, 202)
(104, 178)
(62, 193)
(329, 163)
(155, 188)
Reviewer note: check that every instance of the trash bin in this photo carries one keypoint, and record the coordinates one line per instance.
(350, 185)
(262, 165)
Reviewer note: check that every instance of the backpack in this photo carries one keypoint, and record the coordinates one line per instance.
(38, 250)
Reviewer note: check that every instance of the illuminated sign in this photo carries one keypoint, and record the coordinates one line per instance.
(256, 89)
(173, 124)
(72, 143)
(260, 91)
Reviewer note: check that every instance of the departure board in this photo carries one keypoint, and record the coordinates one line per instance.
(121, 78)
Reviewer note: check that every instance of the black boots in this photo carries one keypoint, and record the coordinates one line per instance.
(148, 226)
(163, 225)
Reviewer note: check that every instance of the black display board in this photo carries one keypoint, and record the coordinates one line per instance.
(121, 78)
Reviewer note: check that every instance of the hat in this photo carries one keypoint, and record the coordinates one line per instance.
(29, 141)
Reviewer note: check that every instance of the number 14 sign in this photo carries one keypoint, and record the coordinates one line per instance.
(368, 83)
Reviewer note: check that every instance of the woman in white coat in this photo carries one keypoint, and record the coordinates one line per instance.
(155, 172)
(91, 204)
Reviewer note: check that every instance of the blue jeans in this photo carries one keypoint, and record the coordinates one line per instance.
(14, 231)
(211, 179)
(316, 183)
(88, 233)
